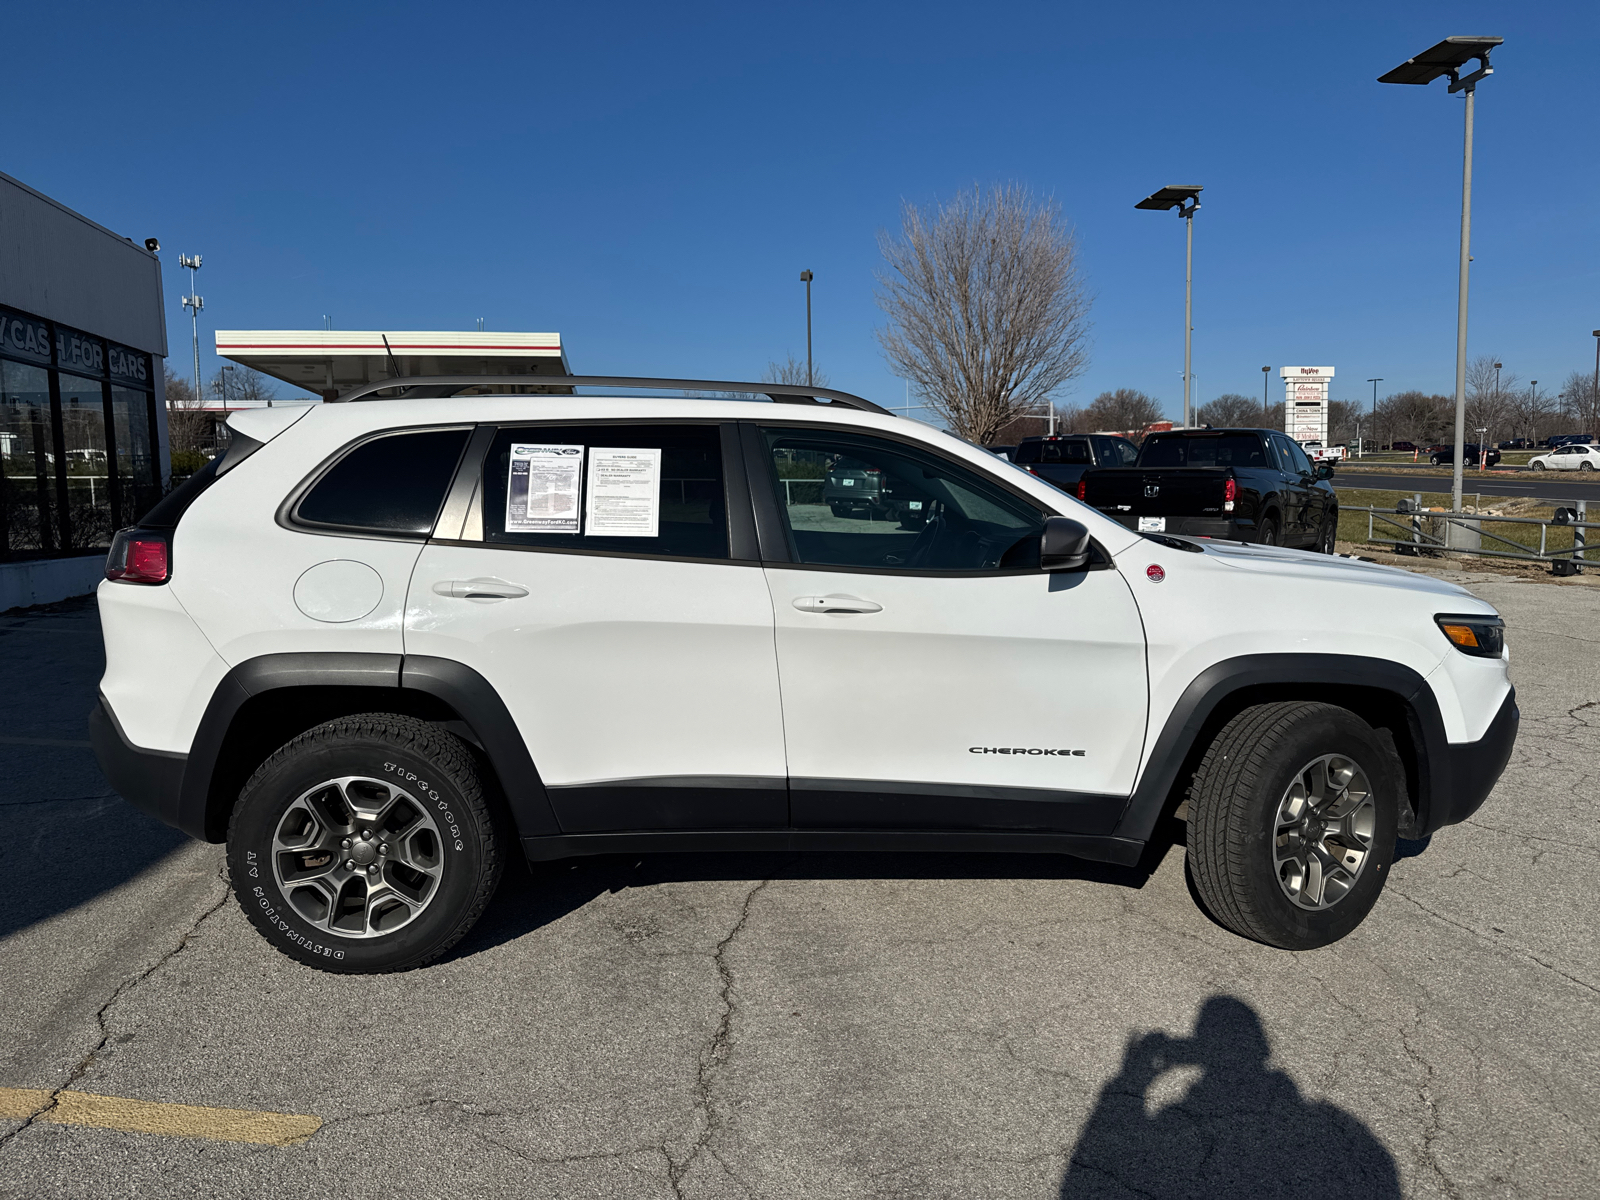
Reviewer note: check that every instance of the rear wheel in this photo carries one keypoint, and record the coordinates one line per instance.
(1267, 534)
(1292, 823)
(1327, 535)
(364, 845)
(1586, 466)
(1433, 460)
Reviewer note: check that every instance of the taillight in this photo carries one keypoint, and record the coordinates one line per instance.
(1230, 493)
(139, 556)
(1083, 489)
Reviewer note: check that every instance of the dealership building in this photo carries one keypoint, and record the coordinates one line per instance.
(83, 446)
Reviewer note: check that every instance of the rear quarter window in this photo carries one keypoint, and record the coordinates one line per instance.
(392, 484)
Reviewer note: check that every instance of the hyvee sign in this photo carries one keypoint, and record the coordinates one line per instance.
(1305, 402)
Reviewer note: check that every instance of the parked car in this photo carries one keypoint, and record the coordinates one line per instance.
(1407, 447)
(1567, 439)
(1516, 444)
(1249, 485)
(1472, 455)
(1062, 459)
(380, 648)
(1009, 453)
(1574, 456)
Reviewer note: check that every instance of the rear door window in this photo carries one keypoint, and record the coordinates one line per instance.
(1190, 450)
(608, 489)
(393, 484)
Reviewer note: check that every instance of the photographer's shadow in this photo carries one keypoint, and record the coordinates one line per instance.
(1241, 1129)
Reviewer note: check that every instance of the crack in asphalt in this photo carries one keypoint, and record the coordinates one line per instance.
(712, 1056)
(87, 1062)
(1432, 1126)
(1517, 950)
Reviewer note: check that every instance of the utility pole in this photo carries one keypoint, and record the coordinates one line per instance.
(805, 278)
(1266, 401)
(194, 302)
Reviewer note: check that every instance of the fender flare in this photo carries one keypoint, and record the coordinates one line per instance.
(1194, 717)
(459, 688)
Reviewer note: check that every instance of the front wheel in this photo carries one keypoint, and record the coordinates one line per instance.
(364, 845)
(1538, 466)
(1292, 822)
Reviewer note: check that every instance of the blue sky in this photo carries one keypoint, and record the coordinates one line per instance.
(649, 180)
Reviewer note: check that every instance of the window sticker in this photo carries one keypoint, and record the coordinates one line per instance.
(542, 491)
(624, 498)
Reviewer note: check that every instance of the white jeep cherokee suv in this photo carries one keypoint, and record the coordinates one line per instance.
(377, 645)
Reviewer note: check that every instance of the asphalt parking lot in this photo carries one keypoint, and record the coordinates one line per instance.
(808, 1025)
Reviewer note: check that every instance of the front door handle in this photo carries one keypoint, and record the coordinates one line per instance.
(479, 589)
(836, 604)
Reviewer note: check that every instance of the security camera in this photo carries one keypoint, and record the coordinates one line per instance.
(152, 245)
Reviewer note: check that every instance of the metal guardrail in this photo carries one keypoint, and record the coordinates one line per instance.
(1569, 515)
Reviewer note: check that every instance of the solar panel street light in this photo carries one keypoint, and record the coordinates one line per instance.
(1446, 60)
(1185, 198)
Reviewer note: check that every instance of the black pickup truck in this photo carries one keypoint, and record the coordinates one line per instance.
(1248, 485)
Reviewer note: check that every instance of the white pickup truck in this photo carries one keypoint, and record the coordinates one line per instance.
(1318, 453)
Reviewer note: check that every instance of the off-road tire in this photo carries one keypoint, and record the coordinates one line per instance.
(1234, 802)
(434, 769)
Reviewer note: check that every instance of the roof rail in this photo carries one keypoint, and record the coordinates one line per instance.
(433, 386)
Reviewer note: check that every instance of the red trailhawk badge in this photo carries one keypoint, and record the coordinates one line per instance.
(1154, 573)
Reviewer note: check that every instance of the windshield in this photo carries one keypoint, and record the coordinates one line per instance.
(1203, 450)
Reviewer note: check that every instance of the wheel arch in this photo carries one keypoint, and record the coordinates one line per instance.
(1387, 695)
(264, 702)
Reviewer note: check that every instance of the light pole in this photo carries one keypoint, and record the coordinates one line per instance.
(805, 278)
(1266, 401)
(1185, 199)
(1594, 396)
(194, 302)
(1447, 59)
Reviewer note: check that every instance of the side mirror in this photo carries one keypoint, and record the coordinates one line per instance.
(1324, 470)
(1064, 545)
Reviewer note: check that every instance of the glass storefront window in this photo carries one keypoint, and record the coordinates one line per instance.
(27, 462)
(138, 473)
(88, 471)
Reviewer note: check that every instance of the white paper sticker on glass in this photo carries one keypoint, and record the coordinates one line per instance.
(542, 491)
(624, 497)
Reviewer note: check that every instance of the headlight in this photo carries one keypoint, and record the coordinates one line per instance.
(1481, 637)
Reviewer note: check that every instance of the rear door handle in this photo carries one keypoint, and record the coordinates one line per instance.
(836, 604)
(479, 589)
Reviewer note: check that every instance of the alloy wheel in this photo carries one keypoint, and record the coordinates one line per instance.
(357, 857)
(1323, 831)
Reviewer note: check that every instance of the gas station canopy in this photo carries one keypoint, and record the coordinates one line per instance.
(332, 362)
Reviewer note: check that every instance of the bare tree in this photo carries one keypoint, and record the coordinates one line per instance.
(1121, 411)
(1489, 397)
(792, 370)
(242, 387)
(1580, 402)
(1231, 410)
(188, 422)
(988, 313)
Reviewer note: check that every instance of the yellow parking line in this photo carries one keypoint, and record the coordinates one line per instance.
(169, 1120)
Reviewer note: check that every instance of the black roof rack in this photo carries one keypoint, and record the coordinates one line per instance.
(415, 387)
